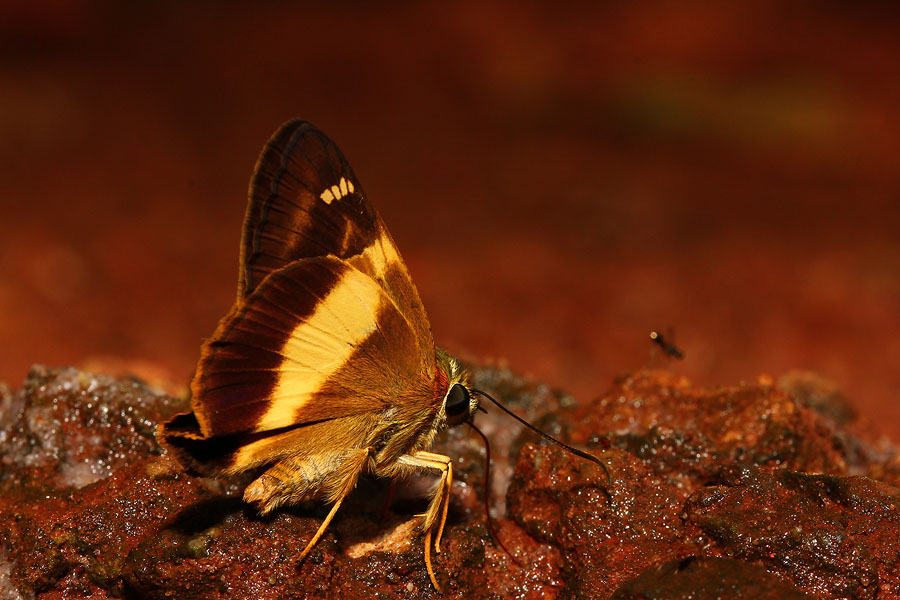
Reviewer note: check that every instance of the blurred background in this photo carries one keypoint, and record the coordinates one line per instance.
(561, 178)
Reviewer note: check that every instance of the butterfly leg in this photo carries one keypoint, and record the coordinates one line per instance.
(445, 485)
(440, 502)
(322, 527)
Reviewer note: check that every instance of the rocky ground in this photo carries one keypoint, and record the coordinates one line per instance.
(772, 489)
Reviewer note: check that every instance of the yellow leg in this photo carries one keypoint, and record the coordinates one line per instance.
(322, 527)
(346, 473)
(448, 482)
(439, 504)
(428, 561)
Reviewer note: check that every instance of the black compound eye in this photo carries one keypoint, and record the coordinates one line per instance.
(457, 400)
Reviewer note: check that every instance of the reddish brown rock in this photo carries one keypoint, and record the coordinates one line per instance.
(834, 537)
(708, 579)
(688, 432)
(608, 533)
(219, 550)
(67, 428)
(740, 491)
(667, 444)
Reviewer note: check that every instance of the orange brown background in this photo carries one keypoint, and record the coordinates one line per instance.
(561, 178)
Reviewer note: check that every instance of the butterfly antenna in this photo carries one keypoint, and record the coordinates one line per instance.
(566, 447)
(487, 493)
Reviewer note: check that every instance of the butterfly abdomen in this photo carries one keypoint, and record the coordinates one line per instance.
(327, 475)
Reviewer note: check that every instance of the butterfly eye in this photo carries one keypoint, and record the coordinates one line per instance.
(457, 403)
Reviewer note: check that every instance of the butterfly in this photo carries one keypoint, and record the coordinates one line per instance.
(325, 367)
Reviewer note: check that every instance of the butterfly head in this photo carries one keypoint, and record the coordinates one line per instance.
(459, 404)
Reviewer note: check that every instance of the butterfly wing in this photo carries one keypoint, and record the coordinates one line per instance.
(316, 340)
(306, 202)
(327, 327)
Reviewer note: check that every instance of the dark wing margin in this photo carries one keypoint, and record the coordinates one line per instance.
(305, 202)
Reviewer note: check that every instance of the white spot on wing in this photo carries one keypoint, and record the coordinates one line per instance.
(337, 191)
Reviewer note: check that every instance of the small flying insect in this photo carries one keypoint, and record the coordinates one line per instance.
(668, 347)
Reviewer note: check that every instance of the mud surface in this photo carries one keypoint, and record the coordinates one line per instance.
(759, 490)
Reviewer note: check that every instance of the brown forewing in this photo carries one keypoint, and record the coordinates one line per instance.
(383, 263)
(287, 219)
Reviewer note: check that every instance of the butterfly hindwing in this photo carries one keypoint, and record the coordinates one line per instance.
(316, 340)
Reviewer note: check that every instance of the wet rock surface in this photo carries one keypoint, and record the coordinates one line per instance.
(763, 490)
(707, 578)
(66, 429)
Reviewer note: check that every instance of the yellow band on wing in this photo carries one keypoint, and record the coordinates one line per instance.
(380, 255)
(321, 344)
